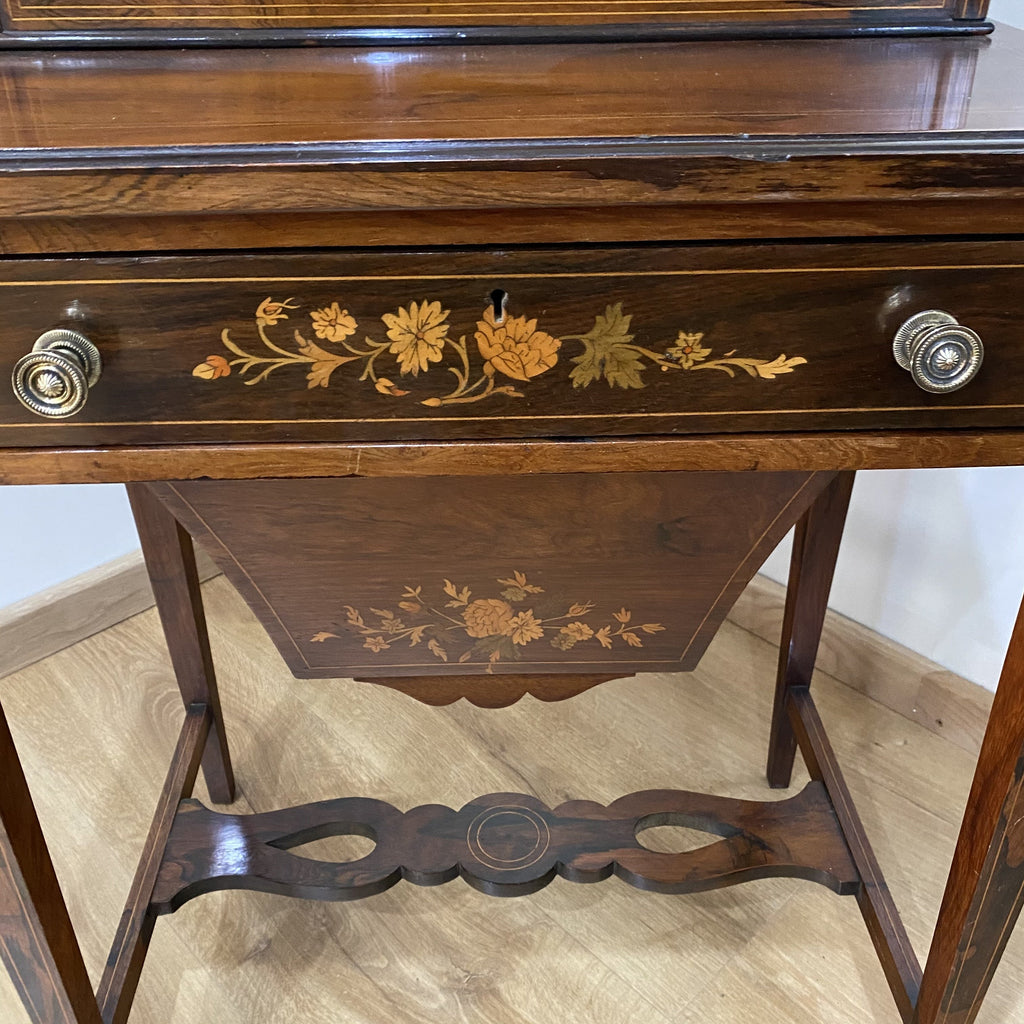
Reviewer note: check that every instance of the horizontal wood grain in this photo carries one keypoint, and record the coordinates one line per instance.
(744, 452)
(62, 615)
(455, 95)
(597, 125)
(693, 221)
(490, 691)
(505, 844)
(583, 574)
(588, 341)
(406, 20)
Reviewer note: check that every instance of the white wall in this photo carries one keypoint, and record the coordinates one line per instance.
(49, 534)
(933, 559)
(1010, 12)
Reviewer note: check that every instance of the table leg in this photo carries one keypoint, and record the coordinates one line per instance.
(171, 562)
(37, 943)
(985, 890)
(815, 548)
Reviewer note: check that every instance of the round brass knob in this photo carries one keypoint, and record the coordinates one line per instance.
(939, 353)
(55, 377)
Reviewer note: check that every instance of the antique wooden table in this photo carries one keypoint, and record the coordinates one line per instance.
(386, 329)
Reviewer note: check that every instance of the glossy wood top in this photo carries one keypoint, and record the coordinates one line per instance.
(815, 137)
(948, 89)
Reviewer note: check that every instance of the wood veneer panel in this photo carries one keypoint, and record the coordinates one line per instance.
(747, 92)
(745, 453)
(27, 236)
(390, 346)
(576, 573)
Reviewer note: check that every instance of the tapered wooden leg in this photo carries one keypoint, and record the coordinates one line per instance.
(171, 562)
(37, 943)
(985, 890)
(815, 547)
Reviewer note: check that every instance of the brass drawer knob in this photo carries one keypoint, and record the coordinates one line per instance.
(940, 355)
(55, 377)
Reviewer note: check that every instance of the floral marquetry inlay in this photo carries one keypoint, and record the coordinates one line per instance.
(460, 627)
(420, 338)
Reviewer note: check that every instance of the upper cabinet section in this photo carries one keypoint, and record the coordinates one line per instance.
(245, 22)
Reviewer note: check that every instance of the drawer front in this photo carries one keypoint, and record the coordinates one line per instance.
(438, 345)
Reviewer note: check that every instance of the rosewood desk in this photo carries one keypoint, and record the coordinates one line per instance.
(424, 306)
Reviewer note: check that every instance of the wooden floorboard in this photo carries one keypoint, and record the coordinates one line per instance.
(96, 724)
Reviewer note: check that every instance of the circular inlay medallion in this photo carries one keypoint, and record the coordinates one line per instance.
(508, 837)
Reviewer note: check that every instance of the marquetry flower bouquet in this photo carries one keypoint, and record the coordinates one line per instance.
(505, 352)
(489, 629)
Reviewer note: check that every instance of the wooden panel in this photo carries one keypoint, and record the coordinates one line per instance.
(571, 573)
(743, 453)
(398, 15)
(583, 342)
(455, 94)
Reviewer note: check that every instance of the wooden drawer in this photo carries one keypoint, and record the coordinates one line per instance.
(607, 341)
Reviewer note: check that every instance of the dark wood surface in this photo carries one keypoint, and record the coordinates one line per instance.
(491, 691)
(493, 95)
(123, 969)
(985, 891)
(745, 453)
(581, 573)
(577, 129)
(816, 542)
(37, 941)
(640, 222)
(394, 22)
(628, 340)
(505, 844)
(171, 565)
(885, 926)
(491, 148)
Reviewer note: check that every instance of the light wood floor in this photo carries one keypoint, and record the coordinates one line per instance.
(96, 724)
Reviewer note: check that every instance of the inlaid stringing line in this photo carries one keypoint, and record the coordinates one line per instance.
(543, 416)
(388, 4)
(511, 276)
(984, 898)
(743, 562)
(227, 551)
(46, 960)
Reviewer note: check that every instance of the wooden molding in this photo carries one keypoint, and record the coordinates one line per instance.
(893, 675)
(60, 616)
